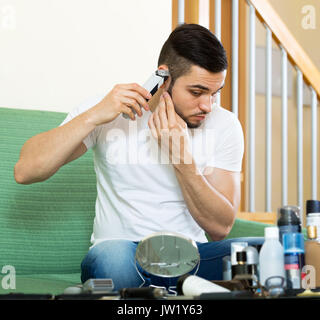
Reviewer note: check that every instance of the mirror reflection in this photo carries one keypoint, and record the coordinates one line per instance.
(167, 254)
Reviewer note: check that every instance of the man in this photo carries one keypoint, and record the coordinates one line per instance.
(195, 192)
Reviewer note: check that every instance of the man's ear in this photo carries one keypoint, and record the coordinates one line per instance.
(165, 86)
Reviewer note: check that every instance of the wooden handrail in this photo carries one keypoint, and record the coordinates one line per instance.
(283, 37)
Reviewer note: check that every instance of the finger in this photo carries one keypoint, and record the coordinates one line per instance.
(181, 121)
(171, 113)
(138, 97)
(157, 123)
(127, 110)
(132, 103)
(152, 127)
(162, 113)
(141, 90)
(173, 117)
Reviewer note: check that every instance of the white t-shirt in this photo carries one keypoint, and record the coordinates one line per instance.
(137, 190)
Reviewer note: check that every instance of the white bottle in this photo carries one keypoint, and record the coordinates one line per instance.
(190, 285)
(271, 257)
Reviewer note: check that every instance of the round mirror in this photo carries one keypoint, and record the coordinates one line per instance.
(167, 254)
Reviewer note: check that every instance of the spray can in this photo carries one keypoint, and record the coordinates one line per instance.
(288, 221)
(313, 215)
(252, 262)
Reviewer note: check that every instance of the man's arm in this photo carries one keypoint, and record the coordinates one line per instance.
(212, 199)
(42, 155)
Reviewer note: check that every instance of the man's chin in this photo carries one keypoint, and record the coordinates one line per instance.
(193, 125)
(190, 124)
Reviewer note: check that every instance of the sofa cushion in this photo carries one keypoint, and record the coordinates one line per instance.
(53, 284)
(45, 227)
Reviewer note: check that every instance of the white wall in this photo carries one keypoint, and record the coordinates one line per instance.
(54, 54)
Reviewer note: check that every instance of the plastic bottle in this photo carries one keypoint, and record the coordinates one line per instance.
(241, 266)
(312, 253)
(226, 268)
(288, 221)
(271, 258)
(293, 245)
(236, 247)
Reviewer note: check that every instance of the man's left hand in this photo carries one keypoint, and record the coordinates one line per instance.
(171, 131)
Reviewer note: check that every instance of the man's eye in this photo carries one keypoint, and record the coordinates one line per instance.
(214, 94)
(196, 93)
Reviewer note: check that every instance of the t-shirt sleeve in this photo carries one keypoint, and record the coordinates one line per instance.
(229, 148)
(91, 139)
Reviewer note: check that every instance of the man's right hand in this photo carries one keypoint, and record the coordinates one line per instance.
(119, 100)
(43, 154)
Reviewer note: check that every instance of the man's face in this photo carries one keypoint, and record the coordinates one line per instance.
(194, 93)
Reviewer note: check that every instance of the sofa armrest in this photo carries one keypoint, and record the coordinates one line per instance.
(246, 228)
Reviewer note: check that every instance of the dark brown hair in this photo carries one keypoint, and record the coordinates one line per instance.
(192, 44)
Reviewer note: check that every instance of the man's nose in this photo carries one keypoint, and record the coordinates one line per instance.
(206, 106)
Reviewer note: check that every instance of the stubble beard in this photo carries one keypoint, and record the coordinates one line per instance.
(189, 125)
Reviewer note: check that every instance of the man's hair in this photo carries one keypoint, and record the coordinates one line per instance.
(192, 44)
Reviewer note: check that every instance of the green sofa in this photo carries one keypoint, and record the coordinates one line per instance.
(45, 228)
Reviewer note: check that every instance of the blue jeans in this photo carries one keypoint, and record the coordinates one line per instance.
(115, 259)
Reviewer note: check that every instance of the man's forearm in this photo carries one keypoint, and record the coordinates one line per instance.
(209, 208)
(42, 155)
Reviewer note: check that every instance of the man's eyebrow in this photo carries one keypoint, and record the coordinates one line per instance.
(199, 86)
